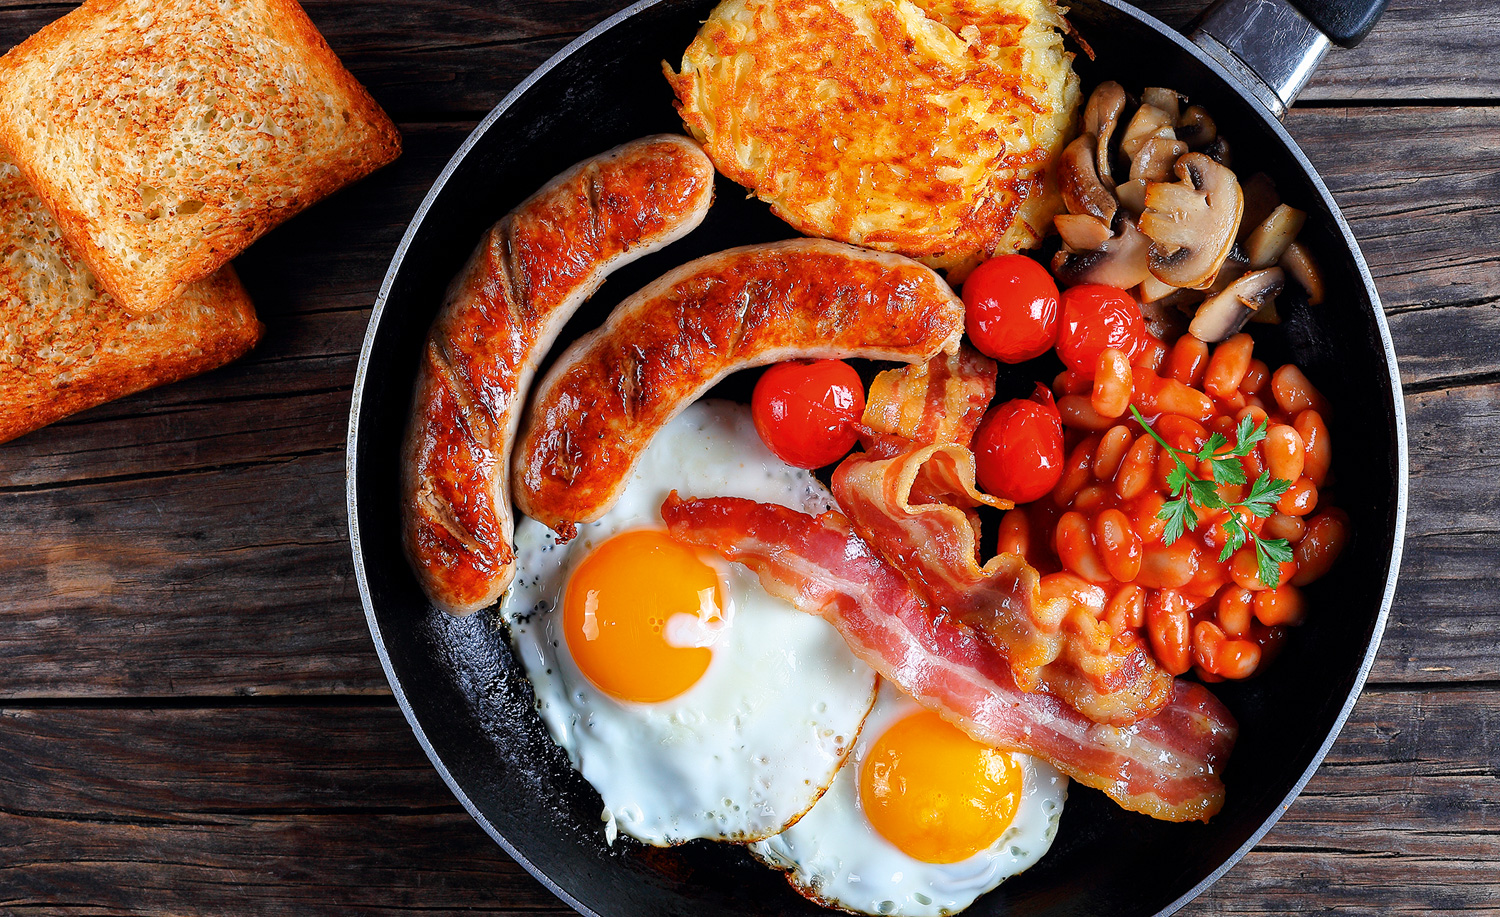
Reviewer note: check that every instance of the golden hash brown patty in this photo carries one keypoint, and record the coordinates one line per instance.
(923, 128)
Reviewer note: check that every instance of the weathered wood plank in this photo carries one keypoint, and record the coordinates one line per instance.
(440, 58)
(311, 810)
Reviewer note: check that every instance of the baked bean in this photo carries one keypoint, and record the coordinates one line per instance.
(1187, 360)
(1280, 606)
(1075, 471)
(1227, 366)
(1255, 401)
(1211, 525)
(1207, 639)
(1156, 395)
(1244, 569)
(1299, 500)
(1288, 528)
(1284, 452)
(1145, 517)
(1112, 383)
(1070, 383)
(1327, 533)
(1078, 411)
(1234, 610)
(1295, 394)
(1153, 354)
(1231, 404)
(1256, 413)
(1075, 548)
(1230, 658)
(1317, 448)
(1255, 378)
(1168, 566)
(1138, 468)
(1118, 544)
(1090, 498)
(1182, 432)
(1254, 463)
(1222, 424)
(1075, 589)
(1015, 533)
(1210, 578)
(1112, 448)
(1167, 628)
(1127, 610)
(1166, 463)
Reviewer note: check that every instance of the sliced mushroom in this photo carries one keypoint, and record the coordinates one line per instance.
(1149, 122)
(1100, 118)
(1192, 222)
(1152, 289)
(1270, 239)
(1224, 314)
(1078, 179)
(1218, 151)
(1165, 322)
(1132, 197)
(1120, 262)
(1080, 231)
(1168, 100)
(1298, 261)
(1260, 199)
(1196, 128)
(1154, 160)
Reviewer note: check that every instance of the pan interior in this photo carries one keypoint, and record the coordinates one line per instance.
(471, 705)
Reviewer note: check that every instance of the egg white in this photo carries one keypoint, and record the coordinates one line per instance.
(836, 857)
(749, 747)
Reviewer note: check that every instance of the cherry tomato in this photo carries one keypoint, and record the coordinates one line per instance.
(805, 412)
(1010, 306)
(1094, 317)
(1018, 448)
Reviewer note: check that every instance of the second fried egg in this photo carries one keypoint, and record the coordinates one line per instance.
(695, 703)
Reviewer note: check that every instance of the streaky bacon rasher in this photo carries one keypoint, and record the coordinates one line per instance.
(1167, 767)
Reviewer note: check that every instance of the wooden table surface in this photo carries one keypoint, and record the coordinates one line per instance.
(192, 717)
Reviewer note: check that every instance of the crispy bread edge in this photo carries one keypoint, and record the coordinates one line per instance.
(37, 402)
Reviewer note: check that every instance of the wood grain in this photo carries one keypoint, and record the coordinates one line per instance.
(329, 810)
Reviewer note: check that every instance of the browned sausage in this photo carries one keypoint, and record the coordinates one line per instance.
(501, 314)
(605, 398)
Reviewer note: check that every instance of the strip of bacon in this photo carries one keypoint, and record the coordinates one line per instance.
(1167, 767)
(915, 508)
(940, 401)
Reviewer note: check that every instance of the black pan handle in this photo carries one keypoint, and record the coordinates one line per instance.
(1345, 22)
(1273, 46)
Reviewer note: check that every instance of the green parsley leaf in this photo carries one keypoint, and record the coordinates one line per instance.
(1235, 534)
(1270, 554)
(1227, 470)
(1214, 443)
(1179, 515)
(1264, 494)
(1247, 435)
(1205, 493)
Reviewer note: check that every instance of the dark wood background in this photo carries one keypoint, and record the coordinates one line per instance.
(192, 719)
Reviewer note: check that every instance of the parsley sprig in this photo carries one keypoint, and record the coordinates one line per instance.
(1191, 493)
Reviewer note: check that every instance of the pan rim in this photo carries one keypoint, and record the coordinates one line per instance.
(1277, 130)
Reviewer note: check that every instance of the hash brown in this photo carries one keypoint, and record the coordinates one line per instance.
(924, 128)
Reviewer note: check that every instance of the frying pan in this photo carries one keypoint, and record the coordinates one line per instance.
(463, 692)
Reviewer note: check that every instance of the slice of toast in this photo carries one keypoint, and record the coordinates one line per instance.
(65, 344)
(166, 137)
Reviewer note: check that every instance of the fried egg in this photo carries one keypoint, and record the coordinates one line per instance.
(697, 705)
(922, 819)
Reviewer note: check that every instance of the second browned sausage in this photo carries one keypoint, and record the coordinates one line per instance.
(610, 392)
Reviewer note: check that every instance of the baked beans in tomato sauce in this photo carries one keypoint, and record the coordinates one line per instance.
(1099, 526)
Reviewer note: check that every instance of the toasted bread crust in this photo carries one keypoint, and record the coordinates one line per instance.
(66, 346)
(166, 138)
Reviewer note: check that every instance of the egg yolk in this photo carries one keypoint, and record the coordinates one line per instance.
(935, 793)
(616, 609)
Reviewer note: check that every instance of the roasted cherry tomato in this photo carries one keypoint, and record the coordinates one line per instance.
(1094, 317)
(806, 412)
(1010, 307)
(1018, 448)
